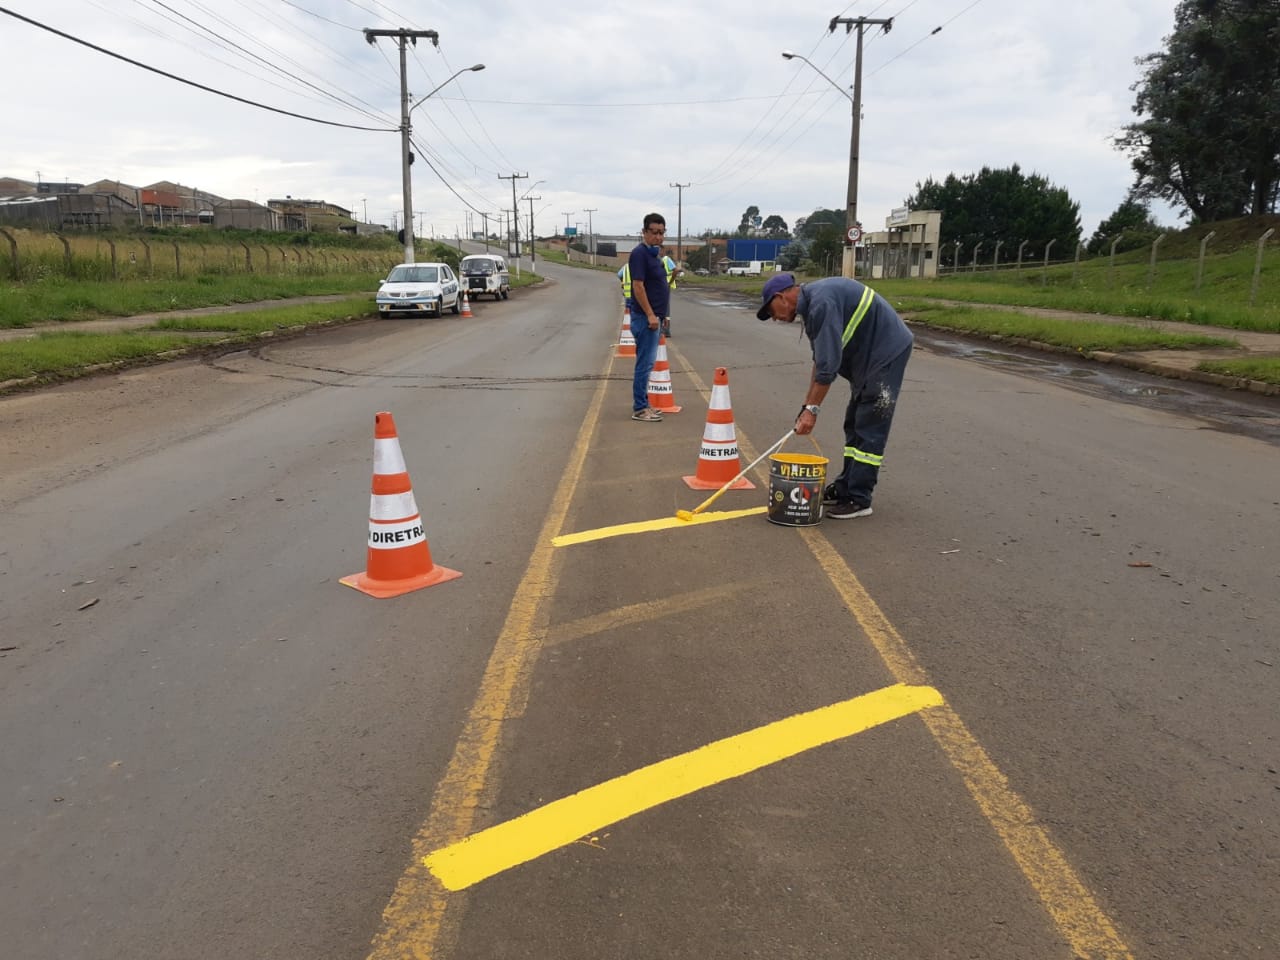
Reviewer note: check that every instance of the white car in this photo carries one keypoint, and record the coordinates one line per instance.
(419, 288)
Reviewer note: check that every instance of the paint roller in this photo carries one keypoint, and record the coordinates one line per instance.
(689, 514)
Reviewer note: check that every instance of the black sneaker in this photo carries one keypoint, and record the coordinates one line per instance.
(848, 510)
(830, 497)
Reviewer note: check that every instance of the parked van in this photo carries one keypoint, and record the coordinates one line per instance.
(485, 273)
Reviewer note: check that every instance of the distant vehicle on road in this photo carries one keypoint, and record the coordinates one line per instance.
(486, 273)
(419, 288)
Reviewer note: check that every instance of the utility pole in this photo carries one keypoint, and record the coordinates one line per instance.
(403, 38)
(566, 233)
(486, 230)
(515, 209)
(679, 218)
(851, 213)
(533, 252)
(591, 232)
(365, 201)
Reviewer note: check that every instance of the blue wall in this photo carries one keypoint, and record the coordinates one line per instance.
(755, 249)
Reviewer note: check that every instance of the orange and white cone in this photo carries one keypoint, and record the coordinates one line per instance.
(719, 460)
(399, 558)
(466, 305)
(661, 396)
(627, 341)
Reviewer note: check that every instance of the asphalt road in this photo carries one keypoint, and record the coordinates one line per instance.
(1025, 710)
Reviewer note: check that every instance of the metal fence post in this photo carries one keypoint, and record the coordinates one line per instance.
(147, 247)
(177, 261)
(1076, 269)
(13, 250)
(66, 253)
(1200, 266)
(1257, 264)
(1151, 270)
(1044, 277)
(112, 245)
(995, 265)
(1022, 246)
(976, 247)
(1111, 270)
(956, 268)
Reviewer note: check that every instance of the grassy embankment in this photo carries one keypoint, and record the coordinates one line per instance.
(52, 299)
(1094, 288)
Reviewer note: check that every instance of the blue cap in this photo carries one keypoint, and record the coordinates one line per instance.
(772, 287)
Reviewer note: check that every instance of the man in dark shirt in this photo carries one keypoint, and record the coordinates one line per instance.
(857, 335)
(650, 304)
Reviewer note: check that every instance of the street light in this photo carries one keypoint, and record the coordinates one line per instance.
(404, 148)
(851, 198)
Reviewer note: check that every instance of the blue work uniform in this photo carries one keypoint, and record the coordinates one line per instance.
(857, 335)
(646, 267)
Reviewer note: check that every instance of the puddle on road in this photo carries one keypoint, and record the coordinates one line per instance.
(1257, 417)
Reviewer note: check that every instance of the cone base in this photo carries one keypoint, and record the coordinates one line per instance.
(383, 589)
(627, 351)
(666, 409)
(696, 484)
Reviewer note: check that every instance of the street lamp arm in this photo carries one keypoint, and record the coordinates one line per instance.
(788, 55)
(478, 66)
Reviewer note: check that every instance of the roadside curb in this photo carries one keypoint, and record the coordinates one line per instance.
(224, 345)
(1141, 365)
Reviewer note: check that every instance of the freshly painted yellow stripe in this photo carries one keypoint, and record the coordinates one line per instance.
(561, 822)
(648, 526)
(1079, 918)
(416, 922)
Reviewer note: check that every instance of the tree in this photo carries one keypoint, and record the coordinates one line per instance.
(994, 205)
(1210, 140)
(808, 230)
(748, 215)
(774, 226)
(827, 248)
(1131, 221)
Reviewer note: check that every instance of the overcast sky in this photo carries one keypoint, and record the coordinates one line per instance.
(606, 107)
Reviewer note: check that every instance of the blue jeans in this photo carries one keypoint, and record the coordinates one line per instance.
(646, 354)
(866, 429)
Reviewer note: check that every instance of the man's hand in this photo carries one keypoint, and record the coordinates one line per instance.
(805, 423)
(653, 321)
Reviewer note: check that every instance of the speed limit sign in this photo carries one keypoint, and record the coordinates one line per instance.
(854, 234)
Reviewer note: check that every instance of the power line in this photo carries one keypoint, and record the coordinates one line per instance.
(190, 83)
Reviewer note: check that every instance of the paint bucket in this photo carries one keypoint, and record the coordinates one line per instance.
(795, 488)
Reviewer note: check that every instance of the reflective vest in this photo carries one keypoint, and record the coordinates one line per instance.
(625, 275)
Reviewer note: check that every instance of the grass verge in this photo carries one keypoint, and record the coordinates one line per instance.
(1072, 334)
(69, 354)
(1264, 369)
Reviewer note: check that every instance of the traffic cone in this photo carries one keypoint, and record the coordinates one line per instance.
(626, 342)
(399, 558)
(466, 305)
(661, 396)
(719, 460)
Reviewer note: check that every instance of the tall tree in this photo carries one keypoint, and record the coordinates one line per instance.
(774, 226)
(807, 227)
(1210, 138)
(744, 228)
(993, 205)
(827, 248)
(1131, 222)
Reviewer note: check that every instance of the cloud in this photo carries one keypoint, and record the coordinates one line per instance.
(608, 105)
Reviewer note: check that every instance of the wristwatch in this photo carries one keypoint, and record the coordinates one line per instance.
(812, 408)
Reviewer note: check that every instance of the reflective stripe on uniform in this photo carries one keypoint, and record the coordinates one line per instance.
(863, 306)
(871, 459)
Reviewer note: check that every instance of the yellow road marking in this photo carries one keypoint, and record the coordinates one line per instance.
(415, 922)
(1068, 901)
(564, 821)
(648, 526)
(668, 606)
